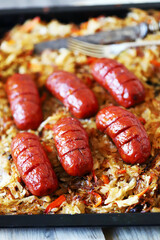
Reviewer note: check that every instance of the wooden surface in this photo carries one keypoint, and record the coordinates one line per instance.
(52, 234)
(123, 233)
(130, 233)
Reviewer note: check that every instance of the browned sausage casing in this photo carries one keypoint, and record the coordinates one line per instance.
(33, 164)
(24, 101)
(72, 144)
(73, 93)
(127, 133)
(123, 85)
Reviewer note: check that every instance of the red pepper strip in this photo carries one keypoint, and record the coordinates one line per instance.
(84, 25)
(91, 60)
(121, 171)
(94, 176)
(43, 98)
(48, 126)
(155, 63)
(56, 203)
(98, 199)
(151, 177)
(30, 25)
(7, 119)
(19, 179)
(142, 120)
(47, 147)
(143, 192)
(88, 81)
(105, 179)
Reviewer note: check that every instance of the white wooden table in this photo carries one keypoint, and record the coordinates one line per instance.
(123, 233)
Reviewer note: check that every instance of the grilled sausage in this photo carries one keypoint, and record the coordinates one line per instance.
(24, 101)
(73, 148)
(33, 164)
(73, 93)
(127, 133)
(123, 85)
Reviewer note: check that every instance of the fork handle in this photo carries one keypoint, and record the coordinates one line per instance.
(118, 48)
(143, 43)
(140, 44)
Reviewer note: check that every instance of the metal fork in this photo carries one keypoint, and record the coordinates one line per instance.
(110, 51)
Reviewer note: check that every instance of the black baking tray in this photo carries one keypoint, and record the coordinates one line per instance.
(67, 14)
(8, 19)
(81, 220)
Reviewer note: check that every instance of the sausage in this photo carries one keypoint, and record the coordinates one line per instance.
(122, 84)
(71, 141)
(24, 101)
(33, 164)
(73, 93)
(127, 133)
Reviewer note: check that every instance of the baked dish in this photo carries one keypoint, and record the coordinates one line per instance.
(70, 141)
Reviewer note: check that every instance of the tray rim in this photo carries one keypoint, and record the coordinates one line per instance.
(66, 8)
(80, 220)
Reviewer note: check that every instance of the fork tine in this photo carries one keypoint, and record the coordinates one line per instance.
(90, 49)
(86, 52)
(86, 44)
(82, 45)
(83, 48)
